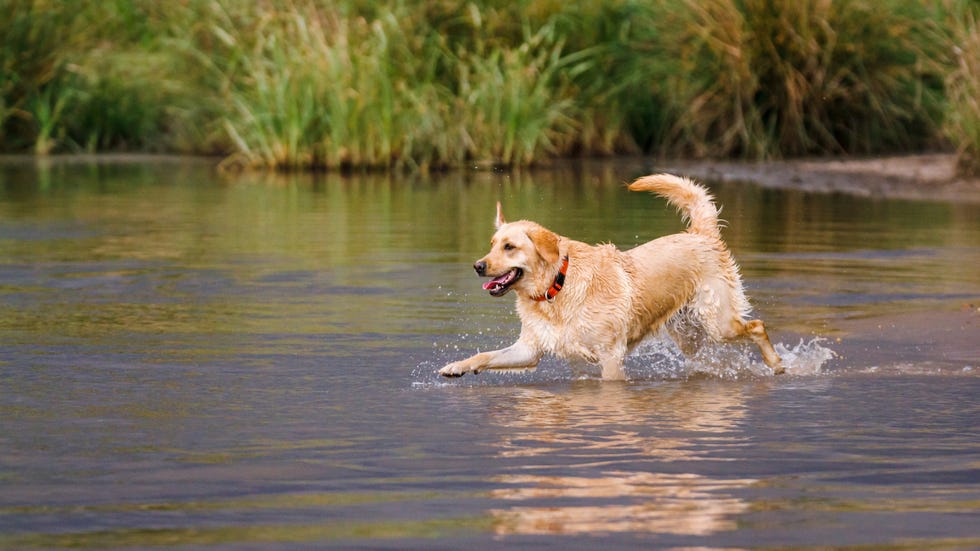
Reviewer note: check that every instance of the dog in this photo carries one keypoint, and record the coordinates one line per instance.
(595, 303)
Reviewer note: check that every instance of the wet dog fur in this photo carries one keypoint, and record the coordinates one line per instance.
(610, 300)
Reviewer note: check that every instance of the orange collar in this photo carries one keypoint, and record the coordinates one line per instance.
(557, 285)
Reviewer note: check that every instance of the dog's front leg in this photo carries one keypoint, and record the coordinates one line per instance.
(516, 356)
(612, 363)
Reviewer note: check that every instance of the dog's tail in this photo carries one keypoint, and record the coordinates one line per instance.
(691, 199)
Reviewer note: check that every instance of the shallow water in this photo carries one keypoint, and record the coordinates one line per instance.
(247, 363)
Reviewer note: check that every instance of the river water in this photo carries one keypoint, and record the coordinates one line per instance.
(190, 360)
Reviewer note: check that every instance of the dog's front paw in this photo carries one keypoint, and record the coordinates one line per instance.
(456, 369)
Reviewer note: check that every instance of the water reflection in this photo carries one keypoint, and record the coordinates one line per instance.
(601, 458)
(686, 504)
(191, 360)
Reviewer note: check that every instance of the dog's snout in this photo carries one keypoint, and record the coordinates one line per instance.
(480, 267)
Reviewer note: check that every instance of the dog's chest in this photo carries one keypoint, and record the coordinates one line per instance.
(550, 333)
(569, 334)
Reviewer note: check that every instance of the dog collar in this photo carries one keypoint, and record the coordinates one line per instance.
(557, 285)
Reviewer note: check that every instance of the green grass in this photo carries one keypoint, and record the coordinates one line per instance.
(773, 78)
(963, 86)
(298, 84)
(515, 105)
(90, 76)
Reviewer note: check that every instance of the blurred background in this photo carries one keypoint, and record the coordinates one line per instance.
(442, 83)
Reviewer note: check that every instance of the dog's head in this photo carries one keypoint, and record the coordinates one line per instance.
(523, 256)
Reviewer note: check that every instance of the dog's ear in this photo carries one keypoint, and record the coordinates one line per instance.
(546, 243)
(500, 217)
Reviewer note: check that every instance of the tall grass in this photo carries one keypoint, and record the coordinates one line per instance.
(311, 87)
(771, 78)
(33, 57)
(352, 83)
(515, 103)
(306, 87)
(963, 86)
(87, 77)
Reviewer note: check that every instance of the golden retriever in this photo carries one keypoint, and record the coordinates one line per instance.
(595, 302)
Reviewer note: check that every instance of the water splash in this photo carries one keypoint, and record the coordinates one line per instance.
(920, 368)
(660, 358)
(806, 358)
(656, 358)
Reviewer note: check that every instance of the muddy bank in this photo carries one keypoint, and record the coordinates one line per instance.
(929, 176)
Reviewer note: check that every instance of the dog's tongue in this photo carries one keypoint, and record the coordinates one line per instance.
(499, 280)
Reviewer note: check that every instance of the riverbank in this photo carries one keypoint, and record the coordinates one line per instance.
(926, 176)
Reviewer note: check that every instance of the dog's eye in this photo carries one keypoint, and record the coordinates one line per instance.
(509, 247)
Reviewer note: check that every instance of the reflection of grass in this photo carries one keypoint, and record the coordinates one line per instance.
(254, 533)
(250, 502)
(293, 83)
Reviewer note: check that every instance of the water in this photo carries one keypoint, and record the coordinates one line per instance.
(196, 361)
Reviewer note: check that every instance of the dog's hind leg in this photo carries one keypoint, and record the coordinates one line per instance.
(687, 335)
(722, 307)
(756, 331)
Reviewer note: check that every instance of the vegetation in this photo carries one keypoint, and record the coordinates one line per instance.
(300, 84)
(963, 86)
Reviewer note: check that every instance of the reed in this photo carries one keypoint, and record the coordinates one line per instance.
(306, 84)
(772, 78)
(32, 59)
(310, 86)
(963, 86)
(516, 105)
(86, 77)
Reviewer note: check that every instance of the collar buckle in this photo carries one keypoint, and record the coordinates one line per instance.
(552, 291)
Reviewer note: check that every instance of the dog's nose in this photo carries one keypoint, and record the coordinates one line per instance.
(480, 267)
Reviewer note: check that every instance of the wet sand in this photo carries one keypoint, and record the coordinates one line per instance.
(926, 176)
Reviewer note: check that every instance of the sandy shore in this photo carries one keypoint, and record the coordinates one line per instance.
(929, 176)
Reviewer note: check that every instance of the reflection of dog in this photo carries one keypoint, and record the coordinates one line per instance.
(595, 303)
(624, 485)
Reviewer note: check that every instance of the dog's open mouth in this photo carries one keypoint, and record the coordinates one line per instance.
(501, 284)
